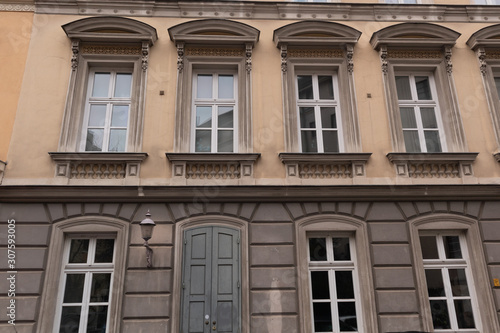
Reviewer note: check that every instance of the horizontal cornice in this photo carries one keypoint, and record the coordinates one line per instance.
(274, 10)
(136, 194)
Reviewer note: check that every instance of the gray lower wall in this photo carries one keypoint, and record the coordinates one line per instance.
(147, 307)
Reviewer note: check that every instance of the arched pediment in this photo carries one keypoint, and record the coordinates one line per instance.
(414, 35)
(486, 37)
(214, 31)
(316, 33)
(110, 29)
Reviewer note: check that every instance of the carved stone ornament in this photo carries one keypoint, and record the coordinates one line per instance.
(145, 55)
(349, 55)
(315, 53)
(180, 57)
(248, 54)
(284, 58)
(481, 55)
(493, 54)
(383, 59)
(414, 54)
(447, 56)
(110, 49)
(215, 51)
(75, 48)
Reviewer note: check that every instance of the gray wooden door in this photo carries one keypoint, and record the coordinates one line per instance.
(211, 281)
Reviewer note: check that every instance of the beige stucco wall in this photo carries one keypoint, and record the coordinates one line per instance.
(38, 124)
(16, 29)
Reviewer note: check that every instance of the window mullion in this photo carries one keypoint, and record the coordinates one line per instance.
(215, 126)
(420, 128)
(334, 300)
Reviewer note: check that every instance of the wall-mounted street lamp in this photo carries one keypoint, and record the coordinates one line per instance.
(147, 226)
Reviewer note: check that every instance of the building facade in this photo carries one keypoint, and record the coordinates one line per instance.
(311, 166)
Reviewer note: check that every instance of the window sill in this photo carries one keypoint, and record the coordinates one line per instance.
(321, 166)
(433, 165)
(97, 165)
(226, 168)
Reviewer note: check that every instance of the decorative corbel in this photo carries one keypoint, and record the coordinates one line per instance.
(180, 57)
(349, 54)
(145, 55)
(75, 48)
(447, 57)
(383, 59)
(481, 55)
(284, 57)
(248, 54)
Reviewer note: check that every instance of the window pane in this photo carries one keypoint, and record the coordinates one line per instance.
(429, 247)
(225, 141)
(78, 251)
(423, 88)
(341, 249)
(320, 286)
(225, 119)
(317, 249)
(330, 142)
(204, 86)
(309, 142)
(435, 286)
(101, 85)
(226, 86)
(123, 84)
(204, 116)
(100, 287)
(458, 282)
(432, 141)
(428, 118)
(347, 317)
(305, 86)
(94, 140)
(412, 143)
(73, 291)
(325, 87)
(307, 119)
(452, 247)
(403, 87)
(117, 140)
(97, 318)
(120, 116)
(408, 119)
(322, 317)
(440, 318)
(328, 117)
(465, 317)
(344, 284)
(70, 319)
(104, 250)
(97, 116)
(203, 141)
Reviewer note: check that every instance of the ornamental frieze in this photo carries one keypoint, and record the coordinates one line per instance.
(215, 51)
(414, 54)
(315, 53)
(111, 49)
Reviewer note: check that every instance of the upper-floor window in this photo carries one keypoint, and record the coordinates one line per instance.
(487, 2)
(107, 111)
(215, 111)
(318, 112)
(420, 118)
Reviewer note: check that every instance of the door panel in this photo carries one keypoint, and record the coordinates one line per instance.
(211, 281)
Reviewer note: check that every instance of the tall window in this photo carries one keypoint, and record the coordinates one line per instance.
(107, 111)
(449, 281)
(86, 285)
(420, 119)
(318, 113)
(215, 114)
(333, 284)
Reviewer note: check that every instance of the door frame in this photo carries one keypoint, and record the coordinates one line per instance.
(209, 221)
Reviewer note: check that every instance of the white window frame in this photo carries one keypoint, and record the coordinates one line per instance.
(110, 102)
(317, 103)
(331, 266)
(88, 268)
(416, 104)
(215, 103)
(444, 265)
